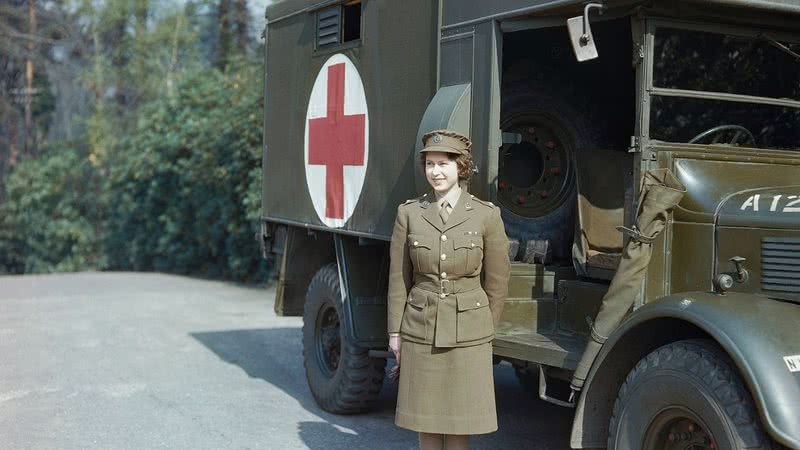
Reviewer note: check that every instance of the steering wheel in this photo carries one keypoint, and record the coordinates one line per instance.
(719, 131)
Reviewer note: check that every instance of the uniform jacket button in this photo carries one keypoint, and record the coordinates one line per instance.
(442, 295)
(444, 238)
(444, 274)
(416, 243)
(478, 304)
(472, 244)
(443, 256)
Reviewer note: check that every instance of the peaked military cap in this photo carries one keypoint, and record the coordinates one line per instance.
(446, 141)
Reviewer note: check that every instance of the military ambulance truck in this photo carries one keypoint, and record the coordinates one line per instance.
(644, 155)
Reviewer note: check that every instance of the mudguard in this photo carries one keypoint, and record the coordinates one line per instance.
(757, 333)
(362, 265)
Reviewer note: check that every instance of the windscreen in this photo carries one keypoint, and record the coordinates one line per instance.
(700, 61)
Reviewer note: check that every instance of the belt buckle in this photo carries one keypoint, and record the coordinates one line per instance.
(446, 290)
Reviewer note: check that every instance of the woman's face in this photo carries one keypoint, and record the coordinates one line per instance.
(441, 171)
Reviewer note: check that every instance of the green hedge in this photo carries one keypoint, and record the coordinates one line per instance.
(52, 215)
(185, 189)
(181, 194)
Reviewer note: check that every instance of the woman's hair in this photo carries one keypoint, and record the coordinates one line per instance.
(463, 162)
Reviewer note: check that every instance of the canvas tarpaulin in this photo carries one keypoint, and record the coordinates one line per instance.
(660, 192)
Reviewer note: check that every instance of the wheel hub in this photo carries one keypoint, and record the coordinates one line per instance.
(535, 176)
(677, 429)
(329, 342)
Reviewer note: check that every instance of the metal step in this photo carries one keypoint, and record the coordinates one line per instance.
(527, 314)
(530, 281)
(551, 349)
(527, 330)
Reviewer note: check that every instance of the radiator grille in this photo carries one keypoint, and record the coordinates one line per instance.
(780, 264)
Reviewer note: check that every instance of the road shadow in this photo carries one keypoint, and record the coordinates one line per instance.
(275, 356)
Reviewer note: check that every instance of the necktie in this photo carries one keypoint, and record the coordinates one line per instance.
(443, 213)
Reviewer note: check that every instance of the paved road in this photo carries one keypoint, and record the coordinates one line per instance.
(152, 361)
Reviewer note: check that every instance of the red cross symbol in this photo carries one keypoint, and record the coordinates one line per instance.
(336, 141)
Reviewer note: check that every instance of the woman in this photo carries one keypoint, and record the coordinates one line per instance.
(447, 283)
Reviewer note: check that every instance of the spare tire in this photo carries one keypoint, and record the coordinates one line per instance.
(536, 186)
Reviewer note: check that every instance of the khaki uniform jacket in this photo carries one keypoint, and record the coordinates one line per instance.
(447, 281)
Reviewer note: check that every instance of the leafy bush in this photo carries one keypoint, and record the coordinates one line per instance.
(51, 216)
(184, 189)
(181, 194)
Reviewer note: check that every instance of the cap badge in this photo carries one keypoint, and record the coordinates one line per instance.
(437, 138)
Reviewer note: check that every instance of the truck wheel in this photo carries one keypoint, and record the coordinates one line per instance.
(342, 377)
(685, 395)
(536, 185)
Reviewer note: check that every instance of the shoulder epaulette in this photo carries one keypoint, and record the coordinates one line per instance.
(412, 200)
(482, 202)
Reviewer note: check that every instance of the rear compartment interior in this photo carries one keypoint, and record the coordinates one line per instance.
(591, 106)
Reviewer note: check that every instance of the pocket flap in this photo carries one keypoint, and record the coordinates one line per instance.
(417, 299)
(468, 242)
(472, 300)
(419, 240)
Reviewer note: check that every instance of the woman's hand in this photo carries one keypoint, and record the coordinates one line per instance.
(394, 346)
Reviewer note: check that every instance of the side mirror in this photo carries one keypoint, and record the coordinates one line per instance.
(580, 34)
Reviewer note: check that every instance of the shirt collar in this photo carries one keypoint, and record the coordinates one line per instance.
(452, 196)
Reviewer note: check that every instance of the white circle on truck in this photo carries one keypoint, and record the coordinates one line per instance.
(336, 140)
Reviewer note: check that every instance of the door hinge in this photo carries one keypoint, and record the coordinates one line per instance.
(638, 54)
(634, 146)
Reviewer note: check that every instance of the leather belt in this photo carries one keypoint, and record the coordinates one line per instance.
(448, 287)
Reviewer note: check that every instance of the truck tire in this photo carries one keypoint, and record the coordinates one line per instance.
(537, 188)
(342, 377)
(685, 395)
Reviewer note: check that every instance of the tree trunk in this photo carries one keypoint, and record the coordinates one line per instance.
(173, 61)
(224, 38)
(241, 25)
(13, 151)
(234, 22)
(28, 96)
(141, 11)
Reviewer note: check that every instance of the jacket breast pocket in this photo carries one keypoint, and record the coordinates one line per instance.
(415, 321)
(474, 317)
(469, 251)
(421, 252)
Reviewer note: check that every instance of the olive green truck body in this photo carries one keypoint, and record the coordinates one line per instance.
(708, 90)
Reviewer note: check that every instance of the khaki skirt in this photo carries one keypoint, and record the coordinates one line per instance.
(446, 390)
